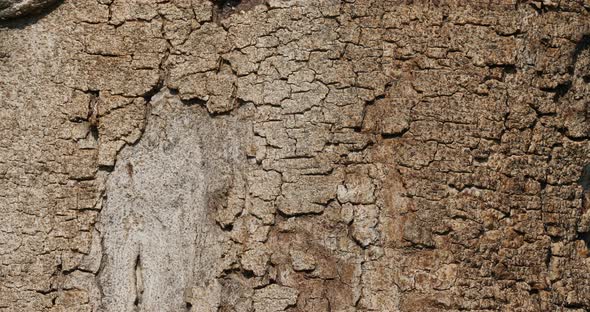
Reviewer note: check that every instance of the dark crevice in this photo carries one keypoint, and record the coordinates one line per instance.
(95, 93)
(389, 136)
(560, 90)
(507, 68)
(584, 180)
(581, 46)
(223, 5)
(542, 7)
(224, 64)
(24, 19)
(286, 216)
(193, 102)
(539, 10)
(585, 237)
(92, 114)
(225, 8)
(129, 168)
(575, 306)
(564, 131)
(481, 158)
(55, 287)
(45, 292)
(153, 91)
(94, 131)
(248, 274)
(106, 168)
(548, 257)
(138, 281)
(372, 102)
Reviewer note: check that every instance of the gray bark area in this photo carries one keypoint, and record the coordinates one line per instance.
(158, 236)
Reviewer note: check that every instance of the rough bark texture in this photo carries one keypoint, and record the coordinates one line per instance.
(17, 8)
(299, 155)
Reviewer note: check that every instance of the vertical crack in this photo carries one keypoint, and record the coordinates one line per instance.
(138, 282)
(583, 232)
(92, 116)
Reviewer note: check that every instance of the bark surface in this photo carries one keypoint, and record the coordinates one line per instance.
(294, 155)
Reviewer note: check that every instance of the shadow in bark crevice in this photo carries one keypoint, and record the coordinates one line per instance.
(225, 8)
(29, 18)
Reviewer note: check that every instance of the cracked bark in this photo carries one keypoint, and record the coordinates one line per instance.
(367, 155)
